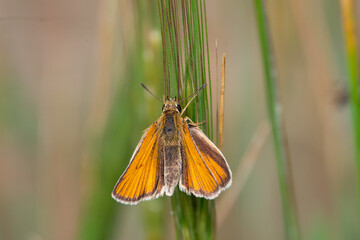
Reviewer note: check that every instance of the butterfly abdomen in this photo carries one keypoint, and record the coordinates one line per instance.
(172, 168)
(171, 146)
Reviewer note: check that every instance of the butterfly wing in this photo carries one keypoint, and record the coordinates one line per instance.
(143, 179)
(205, 171)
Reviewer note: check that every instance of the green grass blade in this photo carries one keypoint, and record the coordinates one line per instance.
(111, 150)
(185, 49)
(282, 157)
(349, 24)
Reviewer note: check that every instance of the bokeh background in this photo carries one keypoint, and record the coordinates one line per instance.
(72, 111)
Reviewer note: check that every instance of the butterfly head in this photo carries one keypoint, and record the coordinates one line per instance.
(171, 105)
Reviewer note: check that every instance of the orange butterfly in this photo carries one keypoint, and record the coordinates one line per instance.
(173, 150)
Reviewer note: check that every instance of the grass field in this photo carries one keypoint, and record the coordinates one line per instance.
(72, 111)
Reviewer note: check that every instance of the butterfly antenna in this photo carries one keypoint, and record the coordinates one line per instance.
(195, 93)
(151, 92)
(193, 96)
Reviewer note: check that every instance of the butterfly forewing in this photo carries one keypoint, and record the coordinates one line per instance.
(212, 157)
(203, 173)
(143, 179)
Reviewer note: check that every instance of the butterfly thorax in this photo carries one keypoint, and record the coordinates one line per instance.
(170, 123)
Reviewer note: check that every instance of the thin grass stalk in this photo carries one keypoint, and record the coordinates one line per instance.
(222, 105)
(352, 75)
(112, 146)
(210, 114)
(243, 171)
(99, 205)
(273, 106)
(183, 51)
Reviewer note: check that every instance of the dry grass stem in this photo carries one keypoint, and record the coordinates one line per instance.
(243, 171)
(222, 102)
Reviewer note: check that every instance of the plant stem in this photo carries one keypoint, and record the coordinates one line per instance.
(349, 21)
(273, 106)
(185, 50)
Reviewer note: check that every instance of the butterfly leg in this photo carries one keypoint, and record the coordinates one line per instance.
(189, 121)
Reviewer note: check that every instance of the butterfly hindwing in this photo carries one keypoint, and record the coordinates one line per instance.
(143, 178)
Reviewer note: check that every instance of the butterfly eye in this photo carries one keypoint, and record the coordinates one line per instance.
(178, 107)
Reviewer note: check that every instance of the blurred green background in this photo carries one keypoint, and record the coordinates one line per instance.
(72, 111)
